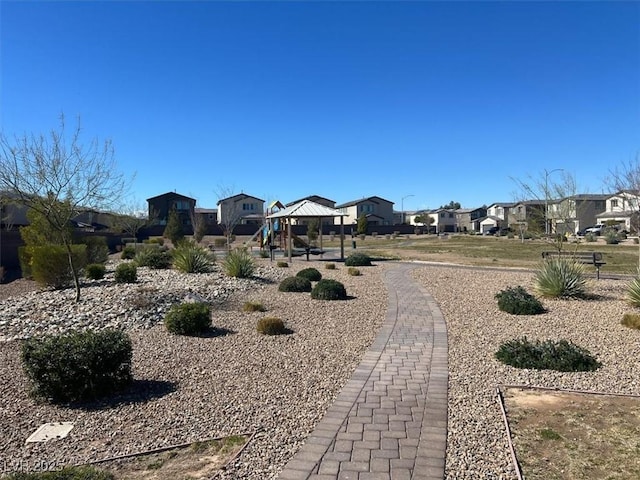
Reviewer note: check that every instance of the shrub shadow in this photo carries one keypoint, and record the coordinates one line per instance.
(139, 391)
(214, 332)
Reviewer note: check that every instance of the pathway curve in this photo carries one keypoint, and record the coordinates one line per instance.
(390, 420)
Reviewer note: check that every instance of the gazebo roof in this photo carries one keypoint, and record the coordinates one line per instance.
(307, 208)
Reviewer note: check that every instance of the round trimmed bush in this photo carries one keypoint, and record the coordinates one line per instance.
(128, 252)
(517, 301)
(560, 355)
(330, 266)
(271, 326)
(327, 289)
(95, 271)
(190, 318)
(281, 264)
(358, 260)
(311, 274)
(354, 272)
(295, 284)
(253, 307)
(126, 273)
(78, 366)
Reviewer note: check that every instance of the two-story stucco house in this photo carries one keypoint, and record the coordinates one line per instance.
(576, 212)
(241, 209)
(468, 219)
(378, 211)
(161, 205)
(622, 208)
(528, 215)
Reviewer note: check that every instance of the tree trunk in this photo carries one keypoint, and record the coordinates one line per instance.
(74, 271)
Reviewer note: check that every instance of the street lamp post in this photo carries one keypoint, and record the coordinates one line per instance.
(546, 197)
(402, 207)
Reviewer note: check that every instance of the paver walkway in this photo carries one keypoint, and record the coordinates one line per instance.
(390, 420)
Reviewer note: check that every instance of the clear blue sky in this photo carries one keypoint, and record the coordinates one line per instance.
(439, 100)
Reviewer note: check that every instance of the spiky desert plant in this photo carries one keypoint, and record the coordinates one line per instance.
(560, 277)
(189, 257)
(239, 263)
(633, 291)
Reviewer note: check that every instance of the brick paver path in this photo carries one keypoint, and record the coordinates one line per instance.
(390, 419)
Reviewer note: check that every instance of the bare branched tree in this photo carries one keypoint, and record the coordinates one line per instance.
(199, 225)
(555, 211)
(230, 214)
(56, 176)
(624, 180)
(133, 217)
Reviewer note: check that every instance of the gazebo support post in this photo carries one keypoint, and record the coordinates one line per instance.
(289, 241)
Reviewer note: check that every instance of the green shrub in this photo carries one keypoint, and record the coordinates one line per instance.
(281, 264)
(330, 266)
(518, 301)
(50, 264)
(264, 254)
(126, 273)
(191, 318)
(253, 307)
(153, 257)
(560, 355)
(622, 235)
(189, 257)
(329, 290)
(295, 284)
(561, 277)
(271, 326)
(354, 272)
(128, 252)
(311, 274)
(633, 291)
(239, 263)
(631, 320)
(97, 249)
(67, 473)
(611, 237)
(358, 260)
(590, 237)
(95, 271)
(78, 366)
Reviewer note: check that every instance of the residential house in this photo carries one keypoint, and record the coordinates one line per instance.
(445, 220)
(528, 215)
(161, 205)
(622, 208)
(468, 219)
(315, 199)
(377, 211)
(209, 216)
(575, 212)
(500, 211)
(241, 209)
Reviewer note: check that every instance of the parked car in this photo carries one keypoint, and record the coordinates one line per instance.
(596, 230)
(492, 231)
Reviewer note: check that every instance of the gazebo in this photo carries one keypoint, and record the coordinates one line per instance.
(309, 209)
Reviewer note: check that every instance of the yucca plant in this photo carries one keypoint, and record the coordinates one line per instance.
(189, 257)
(239, 263)
(633, 291)
(561, 277)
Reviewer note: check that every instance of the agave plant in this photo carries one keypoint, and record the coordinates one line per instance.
(561, 277)
(190, 257)
(633, 291)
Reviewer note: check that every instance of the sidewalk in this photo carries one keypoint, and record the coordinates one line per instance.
(390, 420)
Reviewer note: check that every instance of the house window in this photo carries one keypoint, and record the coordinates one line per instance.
(614, 203)
(366, 208)
(600, 204)
(248, 206)
(182, 205)
(442, 215)
(499, 211)
(451, 215)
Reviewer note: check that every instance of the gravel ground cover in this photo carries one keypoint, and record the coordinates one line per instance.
(187, 389)
(203, 387)
(477, 446)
